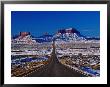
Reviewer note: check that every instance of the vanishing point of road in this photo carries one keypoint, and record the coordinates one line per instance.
(55, 69)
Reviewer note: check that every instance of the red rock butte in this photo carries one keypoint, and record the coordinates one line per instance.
(24, 34)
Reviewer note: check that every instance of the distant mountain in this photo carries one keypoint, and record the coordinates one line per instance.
(69, 34)
(44, 38)
(30, 38)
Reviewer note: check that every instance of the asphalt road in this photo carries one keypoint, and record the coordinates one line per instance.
(55, 69)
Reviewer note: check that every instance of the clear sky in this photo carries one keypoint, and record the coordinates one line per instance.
(39, 22)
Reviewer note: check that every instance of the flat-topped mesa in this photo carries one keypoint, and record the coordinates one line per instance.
(24, 33)
(69, 34)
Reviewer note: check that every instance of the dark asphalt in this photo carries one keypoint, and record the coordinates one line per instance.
(55, 69)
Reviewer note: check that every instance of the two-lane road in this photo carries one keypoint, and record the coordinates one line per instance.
(55, 69)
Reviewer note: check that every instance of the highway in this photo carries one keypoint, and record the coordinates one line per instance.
(55, 69)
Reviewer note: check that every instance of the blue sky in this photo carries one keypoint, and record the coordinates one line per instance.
(39, 22)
